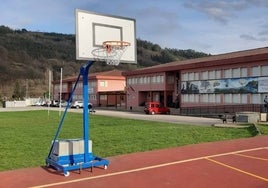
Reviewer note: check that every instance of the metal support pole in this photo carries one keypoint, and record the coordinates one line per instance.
(84, 72)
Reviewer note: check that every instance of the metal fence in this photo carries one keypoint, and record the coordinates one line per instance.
(212, 111)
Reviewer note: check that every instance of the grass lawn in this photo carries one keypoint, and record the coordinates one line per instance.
(26, 136)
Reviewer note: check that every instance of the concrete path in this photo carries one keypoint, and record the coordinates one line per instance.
(134, 115)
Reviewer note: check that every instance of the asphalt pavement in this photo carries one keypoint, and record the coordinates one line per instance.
(177, 119)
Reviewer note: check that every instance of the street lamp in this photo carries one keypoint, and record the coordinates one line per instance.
(61, 69)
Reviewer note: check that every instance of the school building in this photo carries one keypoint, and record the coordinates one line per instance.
(230, 82)
(104, 89)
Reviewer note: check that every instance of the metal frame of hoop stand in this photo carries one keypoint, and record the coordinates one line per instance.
(76, 161)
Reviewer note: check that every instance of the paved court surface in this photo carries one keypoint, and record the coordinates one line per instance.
(225, 164)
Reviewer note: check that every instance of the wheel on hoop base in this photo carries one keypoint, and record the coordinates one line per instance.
(66, 174)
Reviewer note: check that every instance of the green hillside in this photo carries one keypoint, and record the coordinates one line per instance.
(26, 57)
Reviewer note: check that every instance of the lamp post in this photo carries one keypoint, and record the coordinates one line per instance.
(55, 61)
(61, 69)
(49, 90)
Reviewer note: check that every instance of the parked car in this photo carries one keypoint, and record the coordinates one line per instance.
(155, 108)
(63, 103)
(40, 103)
(77, 104)
(53, 103)
(80, 104)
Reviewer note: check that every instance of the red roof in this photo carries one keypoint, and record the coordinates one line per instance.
(228, 58)
(112, 74)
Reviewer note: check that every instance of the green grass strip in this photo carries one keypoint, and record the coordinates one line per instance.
(26, 136)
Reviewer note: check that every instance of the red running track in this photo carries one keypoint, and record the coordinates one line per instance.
(235, 163)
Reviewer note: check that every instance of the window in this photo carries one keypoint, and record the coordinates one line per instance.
(92, 83)
(184, 77)
(184, 98)
(211, 74)
(79, 85)
(228, 98)
(129, 81)
(255, 71)
(103, 97)
(77, 97)
(103, 84)
(236, 73)
(264, 70)
(92, 97)
(204, 75)
(139, 80)
(158, 79)
(191, 98)
(255, 99)
(144, 80)
(204, 98)
(244, 72)
(162, 79)
(147, 79)
(196, 76)
(244, 98)
(236, 98)
(217, 74)
(191, 76)
(196, 98)
(153, 78)
(211, 98)
(227, 73)
(64, 86)
(218, 98)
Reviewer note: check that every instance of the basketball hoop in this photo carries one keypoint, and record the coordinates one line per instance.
(111, 51)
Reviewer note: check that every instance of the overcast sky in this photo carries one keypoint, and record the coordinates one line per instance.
(210, 26)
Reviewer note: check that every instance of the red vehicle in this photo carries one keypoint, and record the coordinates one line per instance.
(155, 108)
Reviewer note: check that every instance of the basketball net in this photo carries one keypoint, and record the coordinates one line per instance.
(111, 52)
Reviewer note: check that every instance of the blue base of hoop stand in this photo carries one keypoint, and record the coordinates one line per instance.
(66, 162)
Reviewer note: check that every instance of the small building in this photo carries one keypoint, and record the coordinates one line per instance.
(104, 88)
(222, 83)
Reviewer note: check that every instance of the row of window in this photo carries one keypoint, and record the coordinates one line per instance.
(91, 84)
(80, 97)
(227, 73)
(204, 75)
(227, 98)
(146, 80)
(64, 86)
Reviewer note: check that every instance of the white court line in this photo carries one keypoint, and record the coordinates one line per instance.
(146, 168)
(251, 157)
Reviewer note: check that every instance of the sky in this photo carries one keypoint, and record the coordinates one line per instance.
(209, 26)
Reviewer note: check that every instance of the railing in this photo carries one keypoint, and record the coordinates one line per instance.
(212, 111)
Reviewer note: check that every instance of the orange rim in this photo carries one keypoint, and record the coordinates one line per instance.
(109, 45)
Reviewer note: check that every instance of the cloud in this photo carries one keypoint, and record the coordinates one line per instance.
(261, 3)
(253, 38)
(263, 33)
(157, 21)
(221, 11)
(260, 36)
(264, 30)
(204, 25)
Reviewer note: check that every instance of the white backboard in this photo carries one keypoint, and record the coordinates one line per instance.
(93, 29)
